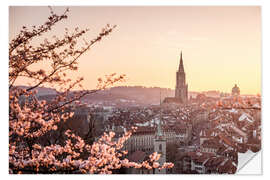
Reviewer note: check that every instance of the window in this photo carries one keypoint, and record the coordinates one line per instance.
(160, 147)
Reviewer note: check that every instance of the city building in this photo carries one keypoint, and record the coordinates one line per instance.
(235, 90)
(144, 142)
(181, 89)
(160, 148)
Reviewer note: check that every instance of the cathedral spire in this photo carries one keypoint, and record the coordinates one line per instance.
(181, 66)
(181, 89)
(159, 130)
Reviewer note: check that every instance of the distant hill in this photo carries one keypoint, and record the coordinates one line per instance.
(138, 94)
(42, 90)
(149, 95)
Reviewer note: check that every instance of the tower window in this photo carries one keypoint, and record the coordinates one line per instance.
(160, 147)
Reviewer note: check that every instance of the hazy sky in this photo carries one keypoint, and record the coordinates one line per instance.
(221, 45)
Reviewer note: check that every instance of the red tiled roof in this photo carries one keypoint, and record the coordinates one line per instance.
(145, 130)
(225, 140)
(214, 161)
(137, 156)
(227, 167)
(199, 156)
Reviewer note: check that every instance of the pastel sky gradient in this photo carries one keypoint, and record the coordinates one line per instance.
(221, 45)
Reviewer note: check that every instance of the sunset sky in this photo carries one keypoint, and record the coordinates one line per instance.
(221, 45)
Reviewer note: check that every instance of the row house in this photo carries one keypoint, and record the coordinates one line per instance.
(210, 147)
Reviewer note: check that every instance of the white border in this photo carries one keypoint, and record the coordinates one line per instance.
(135, 2)
(4, 71)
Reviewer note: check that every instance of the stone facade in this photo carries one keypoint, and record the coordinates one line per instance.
(181, 88)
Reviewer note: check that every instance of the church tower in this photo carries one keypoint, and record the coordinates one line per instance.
(181, 89)
(160, 147)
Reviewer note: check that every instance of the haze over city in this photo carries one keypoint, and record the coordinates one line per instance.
(191, 102)
(220, 45)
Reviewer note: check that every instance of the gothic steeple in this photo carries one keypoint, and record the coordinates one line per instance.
(181, 66)
(181, 89)
(160, 143)
(159, 129)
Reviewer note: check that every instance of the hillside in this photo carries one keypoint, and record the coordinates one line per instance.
(137, 94)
